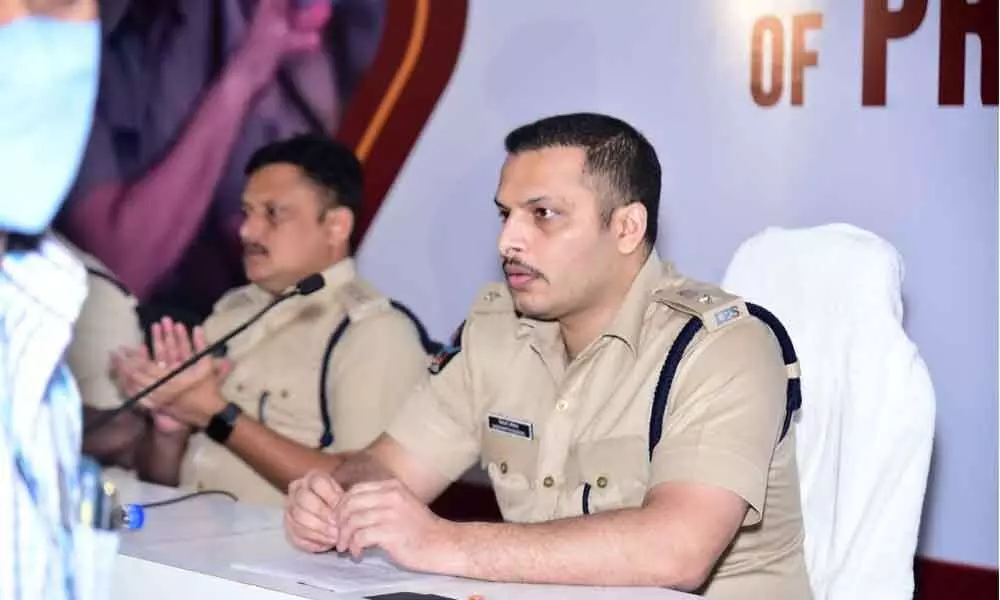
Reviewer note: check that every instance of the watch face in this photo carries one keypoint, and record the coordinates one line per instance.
(221, 425)
(231, 412)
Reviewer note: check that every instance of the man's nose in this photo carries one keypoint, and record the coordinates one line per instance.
(249, 229)
(512, 237)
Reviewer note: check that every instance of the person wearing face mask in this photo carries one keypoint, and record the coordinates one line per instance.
(48, 84)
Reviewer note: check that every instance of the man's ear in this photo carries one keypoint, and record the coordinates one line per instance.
(339, 224)
(629, 226)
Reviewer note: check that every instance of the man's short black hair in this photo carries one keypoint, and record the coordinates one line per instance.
(323, 160)
(622, 161)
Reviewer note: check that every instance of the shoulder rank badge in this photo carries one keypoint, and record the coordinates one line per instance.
(441, 359)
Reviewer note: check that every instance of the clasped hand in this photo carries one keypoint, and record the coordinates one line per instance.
(191, 397)
(321, 516)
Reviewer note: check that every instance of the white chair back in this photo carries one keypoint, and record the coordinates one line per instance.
(865, 430)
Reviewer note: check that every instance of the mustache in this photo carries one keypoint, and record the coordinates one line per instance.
(521, 267)
(251, 248)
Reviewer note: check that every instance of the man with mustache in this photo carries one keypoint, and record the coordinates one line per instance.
(553, 389)
(281, 401)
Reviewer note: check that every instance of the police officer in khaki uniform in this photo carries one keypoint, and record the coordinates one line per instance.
(108, 321)
(283, 400)
(553, 389)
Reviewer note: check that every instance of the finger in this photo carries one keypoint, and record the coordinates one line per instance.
(223, 367)
(174, 339)
(115, 361)
(305, 526)
(326, 488)
(367, 537)
(159, 352)
(305, 537)
(183, 337)
(200, 339)
(357, 521)
(375, 486)
(354, 502)
(129, 386)
(306, 499)
(312, 513)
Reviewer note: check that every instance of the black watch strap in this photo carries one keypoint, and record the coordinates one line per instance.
(221, 425)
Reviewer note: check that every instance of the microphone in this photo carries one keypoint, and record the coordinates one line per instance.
(309, 285)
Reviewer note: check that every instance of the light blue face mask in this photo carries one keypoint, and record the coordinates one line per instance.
(48, 85)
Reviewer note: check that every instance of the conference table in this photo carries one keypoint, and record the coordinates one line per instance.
(200, 549)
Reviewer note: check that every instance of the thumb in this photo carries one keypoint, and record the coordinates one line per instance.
(199, 338)
(223, 367)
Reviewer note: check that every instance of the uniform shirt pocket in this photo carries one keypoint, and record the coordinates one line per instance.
(613, 472)
(510, 463)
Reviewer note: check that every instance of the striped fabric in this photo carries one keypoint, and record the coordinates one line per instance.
(41, 293)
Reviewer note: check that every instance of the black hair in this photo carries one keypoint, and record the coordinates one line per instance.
(325, 162)
(620, 158)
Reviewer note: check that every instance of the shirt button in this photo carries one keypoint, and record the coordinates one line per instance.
(562, 405)
(602, 482)
(503, 467)
(548, 481)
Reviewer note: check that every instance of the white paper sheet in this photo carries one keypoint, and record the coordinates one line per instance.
(336, 573)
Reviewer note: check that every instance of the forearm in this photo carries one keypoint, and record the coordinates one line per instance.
(274, 457)
(361, 467)
(385, 459)
(159, 455)
(626, 547)
(175, 194)
(116, 442)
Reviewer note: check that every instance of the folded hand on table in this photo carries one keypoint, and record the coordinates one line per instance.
(321, 516)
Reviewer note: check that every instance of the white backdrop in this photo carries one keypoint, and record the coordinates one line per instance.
(921, 175)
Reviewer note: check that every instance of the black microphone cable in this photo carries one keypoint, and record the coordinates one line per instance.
(305, 287)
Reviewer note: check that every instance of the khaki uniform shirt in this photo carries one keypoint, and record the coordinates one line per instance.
(107, 322)
(562, 438)
(277, 365)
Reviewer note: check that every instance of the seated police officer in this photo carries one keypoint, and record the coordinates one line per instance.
(554, 388)
(286, 397)
(108, 320)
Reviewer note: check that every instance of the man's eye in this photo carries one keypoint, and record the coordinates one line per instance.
(544, 213)
(503, 214)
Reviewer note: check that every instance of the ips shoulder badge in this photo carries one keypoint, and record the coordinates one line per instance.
(442, 358)
(715, 307)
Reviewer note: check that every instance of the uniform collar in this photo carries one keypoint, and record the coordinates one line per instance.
(335, 277)
(628, 321)
(339, 274)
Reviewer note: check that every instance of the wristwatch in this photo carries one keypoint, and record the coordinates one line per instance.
(221, 425)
